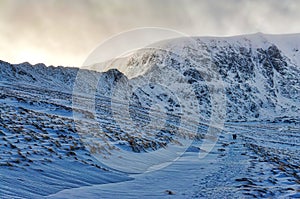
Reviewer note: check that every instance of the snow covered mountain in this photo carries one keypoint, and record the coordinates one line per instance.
(260, 82)
(260, 73)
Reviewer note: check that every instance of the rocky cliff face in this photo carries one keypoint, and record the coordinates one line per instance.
(261, 81)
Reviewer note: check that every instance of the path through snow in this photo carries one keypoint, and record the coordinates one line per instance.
(213, 176)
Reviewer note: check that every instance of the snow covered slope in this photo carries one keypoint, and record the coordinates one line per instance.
(39, 137)
(260, 72)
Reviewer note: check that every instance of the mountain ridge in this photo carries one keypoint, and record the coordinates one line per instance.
(244, 67)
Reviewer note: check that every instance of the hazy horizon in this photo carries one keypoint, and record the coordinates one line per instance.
(64, 32)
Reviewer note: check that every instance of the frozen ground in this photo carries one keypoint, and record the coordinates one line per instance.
(43, 156)
(234, 169)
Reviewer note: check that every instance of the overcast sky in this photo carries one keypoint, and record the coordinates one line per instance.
(63, 32)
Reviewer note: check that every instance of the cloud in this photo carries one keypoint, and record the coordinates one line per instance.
(64, 32)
